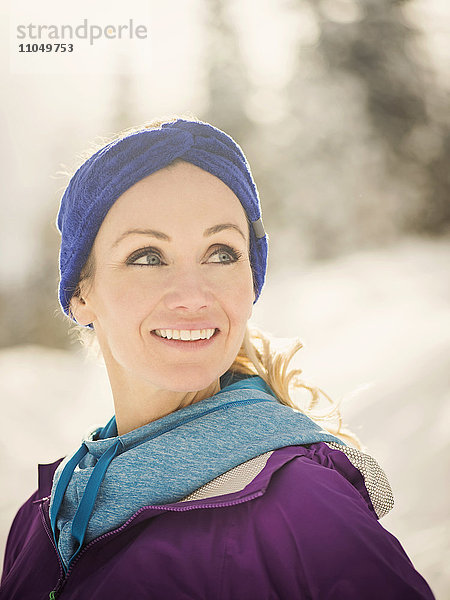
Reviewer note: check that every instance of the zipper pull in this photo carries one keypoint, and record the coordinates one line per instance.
(52, 595)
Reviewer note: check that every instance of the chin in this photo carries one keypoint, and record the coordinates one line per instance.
(188, 379)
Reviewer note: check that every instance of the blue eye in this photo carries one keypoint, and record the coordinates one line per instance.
(145, 257)
(225, 255)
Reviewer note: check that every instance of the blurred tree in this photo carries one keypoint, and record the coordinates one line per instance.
(366, 153)
(226, 73)
(29, 312)
(380, 48)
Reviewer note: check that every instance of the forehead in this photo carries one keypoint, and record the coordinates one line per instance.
(180, 193)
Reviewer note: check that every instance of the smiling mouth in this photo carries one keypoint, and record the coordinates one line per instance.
(185, 335)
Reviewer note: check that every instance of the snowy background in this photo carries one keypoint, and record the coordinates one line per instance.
(342, 108)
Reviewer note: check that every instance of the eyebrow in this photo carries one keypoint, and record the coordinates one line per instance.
(156, 234)
(163, 236)
(223, 226)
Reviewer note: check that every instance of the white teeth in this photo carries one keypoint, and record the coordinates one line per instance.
(185, 334)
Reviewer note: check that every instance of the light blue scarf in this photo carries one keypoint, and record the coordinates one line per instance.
(111, 477)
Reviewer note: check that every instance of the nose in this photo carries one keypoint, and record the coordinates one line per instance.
(188, 291)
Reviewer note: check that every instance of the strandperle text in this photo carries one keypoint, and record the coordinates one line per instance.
(82, 31)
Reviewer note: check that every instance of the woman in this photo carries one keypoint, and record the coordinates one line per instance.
(206, 483)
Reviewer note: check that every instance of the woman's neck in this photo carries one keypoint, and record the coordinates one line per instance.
(135, 408)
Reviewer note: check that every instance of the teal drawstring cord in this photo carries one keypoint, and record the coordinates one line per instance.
(63, 482)
(86, 506)
(84, 511)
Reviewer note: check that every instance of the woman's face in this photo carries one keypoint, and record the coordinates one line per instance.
(171, 259)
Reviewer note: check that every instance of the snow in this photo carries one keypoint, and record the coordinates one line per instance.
(376, 332)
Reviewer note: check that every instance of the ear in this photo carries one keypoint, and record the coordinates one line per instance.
(83, 314)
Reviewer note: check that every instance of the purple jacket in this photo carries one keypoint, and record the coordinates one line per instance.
(303, 528)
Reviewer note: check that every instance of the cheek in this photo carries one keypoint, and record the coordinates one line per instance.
(240, 299)
(120, 299)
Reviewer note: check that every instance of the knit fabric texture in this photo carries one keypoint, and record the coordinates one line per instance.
(113, 169)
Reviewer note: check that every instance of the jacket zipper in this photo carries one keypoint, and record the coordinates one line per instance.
(54, 594)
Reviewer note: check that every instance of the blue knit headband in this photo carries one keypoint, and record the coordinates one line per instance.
(107, 174)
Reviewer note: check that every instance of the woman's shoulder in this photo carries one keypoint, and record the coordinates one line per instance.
(360, 469)
(303, 464)
(316, 530)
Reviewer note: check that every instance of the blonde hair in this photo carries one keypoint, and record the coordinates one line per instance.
(257, 356)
